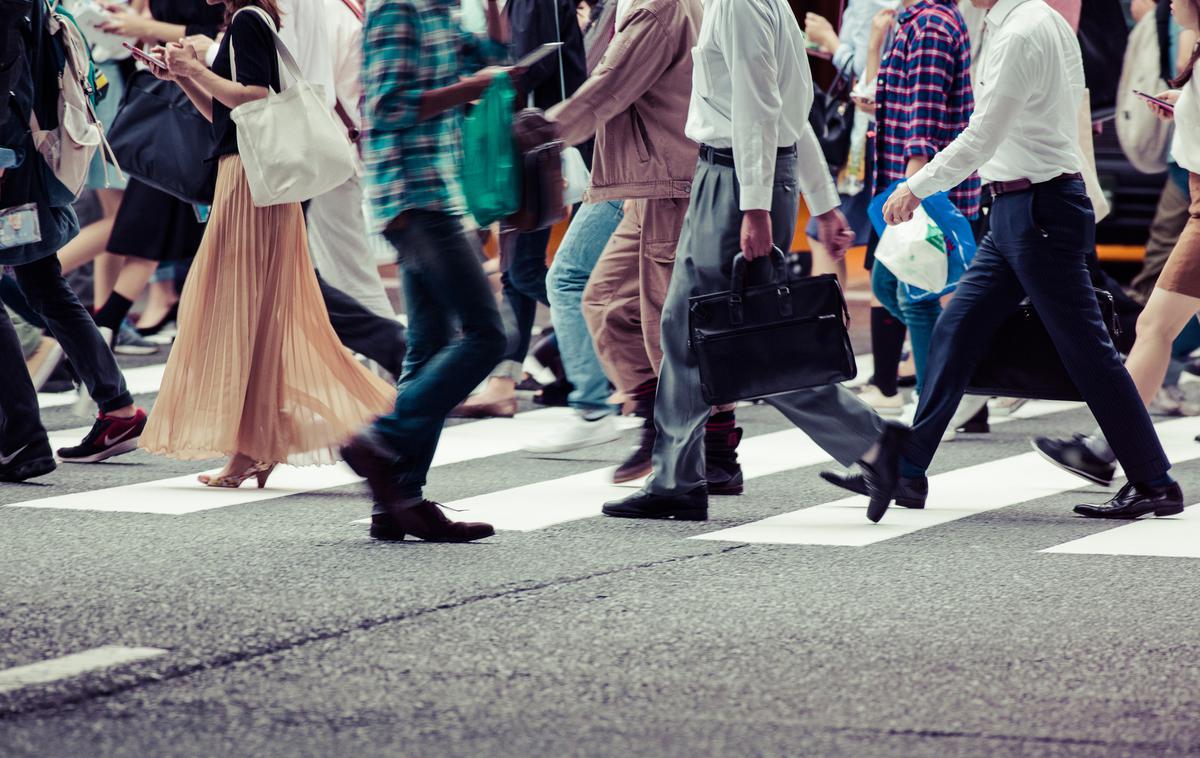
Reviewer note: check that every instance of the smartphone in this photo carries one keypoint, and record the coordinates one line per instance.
(1155, 100)
(143, 56)
(538, 54)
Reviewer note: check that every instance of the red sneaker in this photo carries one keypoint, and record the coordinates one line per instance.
(110, 436)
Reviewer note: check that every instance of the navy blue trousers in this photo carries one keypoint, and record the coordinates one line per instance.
(1037, 247)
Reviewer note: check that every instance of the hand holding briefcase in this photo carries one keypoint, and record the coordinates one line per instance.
(770, 339)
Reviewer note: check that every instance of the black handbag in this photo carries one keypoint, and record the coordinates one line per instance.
(769, 339)
(1023, 362)
(832, 118)
(159, 138)
(539, 157)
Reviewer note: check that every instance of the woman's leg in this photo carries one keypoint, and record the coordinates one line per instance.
(1165, 316)
(823, 262)
(93, 238)
(128, 288)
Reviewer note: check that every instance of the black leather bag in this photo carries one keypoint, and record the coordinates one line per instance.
(160, 139)
(832, 118)
(1023, 362)
(540, 162)
(769, 339)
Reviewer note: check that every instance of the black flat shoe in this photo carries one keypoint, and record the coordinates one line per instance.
(883, 476)
(692, 506)
(1074, 456)
(911, 492)
(1137, 500)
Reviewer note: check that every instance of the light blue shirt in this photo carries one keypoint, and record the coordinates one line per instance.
(856, 31)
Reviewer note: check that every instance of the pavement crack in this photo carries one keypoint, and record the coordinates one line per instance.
(19, 705)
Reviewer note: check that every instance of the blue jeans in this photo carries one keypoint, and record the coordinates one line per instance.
(523, 277)
(918, 317)
(577, 255)
(444, 286)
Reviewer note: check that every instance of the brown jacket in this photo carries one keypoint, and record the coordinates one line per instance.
(636, 104)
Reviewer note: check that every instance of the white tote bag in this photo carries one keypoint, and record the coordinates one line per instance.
(915, 252)
(291, 144)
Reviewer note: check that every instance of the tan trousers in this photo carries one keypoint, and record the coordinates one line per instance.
(624, 297)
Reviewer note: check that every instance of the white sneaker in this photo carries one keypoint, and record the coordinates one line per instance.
(884, 405)
(1171, 401)
(576, 433)
(1008, 406)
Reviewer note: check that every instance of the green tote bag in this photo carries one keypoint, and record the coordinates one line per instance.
(490, 179)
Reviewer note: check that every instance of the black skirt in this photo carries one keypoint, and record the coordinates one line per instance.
(155, 226)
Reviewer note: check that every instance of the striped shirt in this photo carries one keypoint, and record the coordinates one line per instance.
(924, 98)
(409, 48)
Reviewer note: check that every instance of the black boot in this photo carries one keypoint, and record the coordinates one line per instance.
(691, 506)
(640, 462)
(722, 470)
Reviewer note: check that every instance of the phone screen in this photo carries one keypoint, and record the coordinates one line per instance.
(145, 57)
(538, 54)
(1154, 100)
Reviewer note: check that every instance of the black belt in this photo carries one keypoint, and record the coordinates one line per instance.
(723, 156)
(1020, 185)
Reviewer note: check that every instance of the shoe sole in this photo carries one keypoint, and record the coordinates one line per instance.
(125, 446)
(690, 515)
(30, 470)
(570, 448)
(1170, 510)
(1081, 474)
(727, 491)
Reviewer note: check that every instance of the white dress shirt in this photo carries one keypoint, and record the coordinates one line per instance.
(1027, 99)
(855, 34)
(1185, 144)
(305, 32)
(752, 91)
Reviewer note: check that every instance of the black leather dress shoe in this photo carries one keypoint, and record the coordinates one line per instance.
(911, 492)
(883, 475)
(1076, 457)
(1136, 500)
(692, 506)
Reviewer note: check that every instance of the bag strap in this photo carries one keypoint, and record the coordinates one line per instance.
(562, 76)
(285, 55)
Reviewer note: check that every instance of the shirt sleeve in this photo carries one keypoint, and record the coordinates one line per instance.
(748, 42)
(390, 53)
(253, 46)
(813, 177)
(930, 73)
(999, 104)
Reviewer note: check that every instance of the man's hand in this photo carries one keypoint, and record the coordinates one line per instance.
(901, 206)
(818, 29)
(756, 239)
(834, 233)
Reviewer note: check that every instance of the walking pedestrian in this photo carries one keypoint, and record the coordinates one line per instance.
(256, 373)
(751, 94)
(1023, 140)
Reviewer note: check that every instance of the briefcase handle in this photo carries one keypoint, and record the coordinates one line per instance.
(738, 285)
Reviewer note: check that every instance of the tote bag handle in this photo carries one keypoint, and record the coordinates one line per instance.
(285, 55)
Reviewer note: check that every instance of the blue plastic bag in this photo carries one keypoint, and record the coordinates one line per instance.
(960, 238)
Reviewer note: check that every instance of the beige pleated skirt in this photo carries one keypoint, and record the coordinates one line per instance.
(256, 368)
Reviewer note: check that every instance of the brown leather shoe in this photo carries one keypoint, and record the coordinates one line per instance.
(367, 457)
(426, 522)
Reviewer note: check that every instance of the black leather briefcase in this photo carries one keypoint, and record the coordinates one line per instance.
(768, 339)
(1023, 362)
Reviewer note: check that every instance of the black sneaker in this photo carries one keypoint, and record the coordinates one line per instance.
(1074, 455)
(110, 437)
(27, 461)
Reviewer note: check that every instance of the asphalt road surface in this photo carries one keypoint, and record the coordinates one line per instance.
(143, 615)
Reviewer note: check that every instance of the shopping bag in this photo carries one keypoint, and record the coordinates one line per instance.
(956, 232)
(575, 175)
(490, 178)
(915, 252)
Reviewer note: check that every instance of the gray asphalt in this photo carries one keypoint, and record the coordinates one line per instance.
(290, 633)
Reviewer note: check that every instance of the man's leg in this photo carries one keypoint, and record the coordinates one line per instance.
(24, 448)
(662, 223)
(378, 338)
(340, 250)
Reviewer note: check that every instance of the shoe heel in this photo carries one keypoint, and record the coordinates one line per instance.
(915, 505)
(1171, 510)
(262, 476)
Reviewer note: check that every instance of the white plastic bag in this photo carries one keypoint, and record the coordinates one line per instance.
(575, 175)
(915, 252)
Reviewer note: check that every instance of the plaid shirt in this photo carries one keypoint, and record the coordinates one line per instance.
(409, 48)
(924, 97)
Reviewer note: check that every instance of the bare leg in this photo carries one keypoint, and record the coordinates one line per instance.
(160, 298)
(134, 276)
(93, 238)
(1165, 316)
(104, 276)
(823, 262)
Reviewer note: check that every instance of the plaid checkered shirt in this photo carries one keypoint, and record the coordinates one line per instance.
(409, 48)
(924, 98)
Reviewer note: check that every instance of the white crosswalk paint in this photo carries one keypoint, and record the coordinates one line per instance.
(569, 498)
(143, 380)
(181, 495)
(67, 666)
(953, 495)
(1172, 537)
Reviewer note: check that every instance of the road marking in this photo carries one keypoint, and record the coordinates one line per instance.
(579, 496)
(143, 380)
(183, 494)
(44, 672)
(1171, 537)
(952, 496)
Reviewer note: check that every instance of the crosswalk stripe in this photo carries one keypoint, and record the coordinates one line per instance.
(579, 496)
(952, 496)
(67, 666)
(1172, 537)
(182, 494)
(143, 380)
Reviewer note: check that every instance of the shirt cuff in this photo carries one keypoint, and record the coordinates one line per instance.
(920, 184)
(756, 198)
(822, 200)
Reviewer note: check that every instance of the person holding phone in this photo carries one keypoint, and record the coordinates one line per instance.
(1023, 140)
(256, 372)
(1173, 303)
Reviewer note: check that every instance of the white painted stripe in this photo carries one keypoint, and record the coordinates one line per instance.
(143, 380)
(183, 494)
(1171, 537)
(579, 496)
(952, 496)
(68, 666)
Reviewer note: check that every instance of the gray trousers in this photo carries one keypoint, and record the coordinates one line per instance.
(836, 420)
